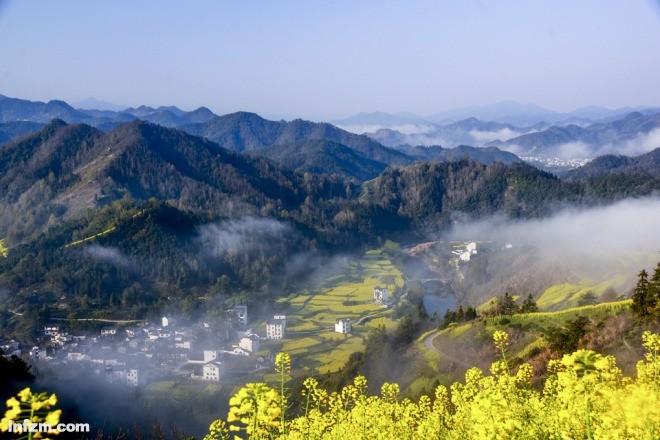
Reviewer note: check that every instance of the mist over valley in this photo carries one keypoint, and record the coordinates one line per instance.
(315, 221)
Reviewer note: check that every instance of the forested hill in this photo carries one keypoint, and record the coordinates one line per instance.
(244, 131)
(321, 156)
(430, 193)
(64, 170)
(485, 155)
(647, 164)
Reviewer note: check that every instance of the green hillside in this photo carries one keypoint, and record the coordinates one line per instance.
(607, 328)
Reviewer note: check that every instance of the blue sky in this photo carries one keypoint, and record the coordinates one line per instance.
(325, 60)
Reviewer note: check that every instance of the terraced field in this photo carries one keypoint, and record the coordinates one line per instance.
(311, 316)
(621, 278)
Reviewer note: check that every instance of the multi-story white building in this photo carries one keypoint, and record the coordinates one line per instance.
(275, 328)
(343, 326)
(213, 370)
(128, 377)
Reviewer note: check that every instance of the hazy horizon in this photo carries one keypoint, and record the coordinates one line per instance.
(328, 61)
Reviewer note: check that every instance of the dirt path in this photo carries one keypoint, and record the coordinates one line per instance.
(114, 321)
(428, 342)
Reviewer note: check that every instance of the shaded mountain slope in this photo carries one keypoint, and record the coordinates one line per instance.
(323, 156)
(648, 163)
(65, 169)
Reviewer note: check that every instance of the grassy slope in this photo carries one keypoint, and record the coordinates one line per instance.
(471, 343)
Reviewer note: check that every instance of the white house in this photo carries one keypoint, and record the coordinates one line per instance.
(108, 331)
(249, 344)
(164, 321)
(381, 294)
(466, 255)
(128, 377)
(213, 370)
(51, 330)
(343, 326)
(182, 343)
(132, 376)
(241, 313)
(275, 327)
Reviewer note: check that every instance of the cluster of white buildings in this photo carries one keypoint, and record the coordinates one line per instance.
(130, 355)
(466, 254)
(556, 161)
(135, 355)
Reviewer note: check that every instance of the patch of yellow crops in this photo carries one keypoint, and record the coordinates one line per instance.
(585, 396)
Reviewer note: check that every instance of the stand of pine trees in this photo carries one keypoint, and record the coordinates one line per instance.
(646, 296)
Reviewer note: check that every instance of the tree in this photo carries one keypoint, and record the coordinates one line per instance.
(529, 305)
(13, 370)
(643, 300)
(470, 313)
(567, 340)
(588, 299)
(654, 289)
(504, 305)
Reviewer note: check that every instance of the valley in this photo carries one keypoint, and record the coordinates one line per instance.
(166, 267)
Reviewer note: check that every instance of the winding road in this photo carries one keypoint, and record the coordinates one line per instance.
(428, 342)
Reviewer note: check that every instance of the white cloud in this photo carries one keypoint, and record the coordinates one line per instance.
(241, 235)
(108, 254)
(575, 150)
(626, 226)
(488, 136)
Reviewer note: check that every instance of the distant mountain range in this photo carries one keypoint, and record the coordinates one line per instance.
(322, 147)
(505, 112)
(96, 104)
(469, 131)
(14, 109)
(298, 144)
(633, 134)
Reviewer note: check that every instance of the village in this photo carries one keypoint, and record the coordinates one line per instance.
(137, 354)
